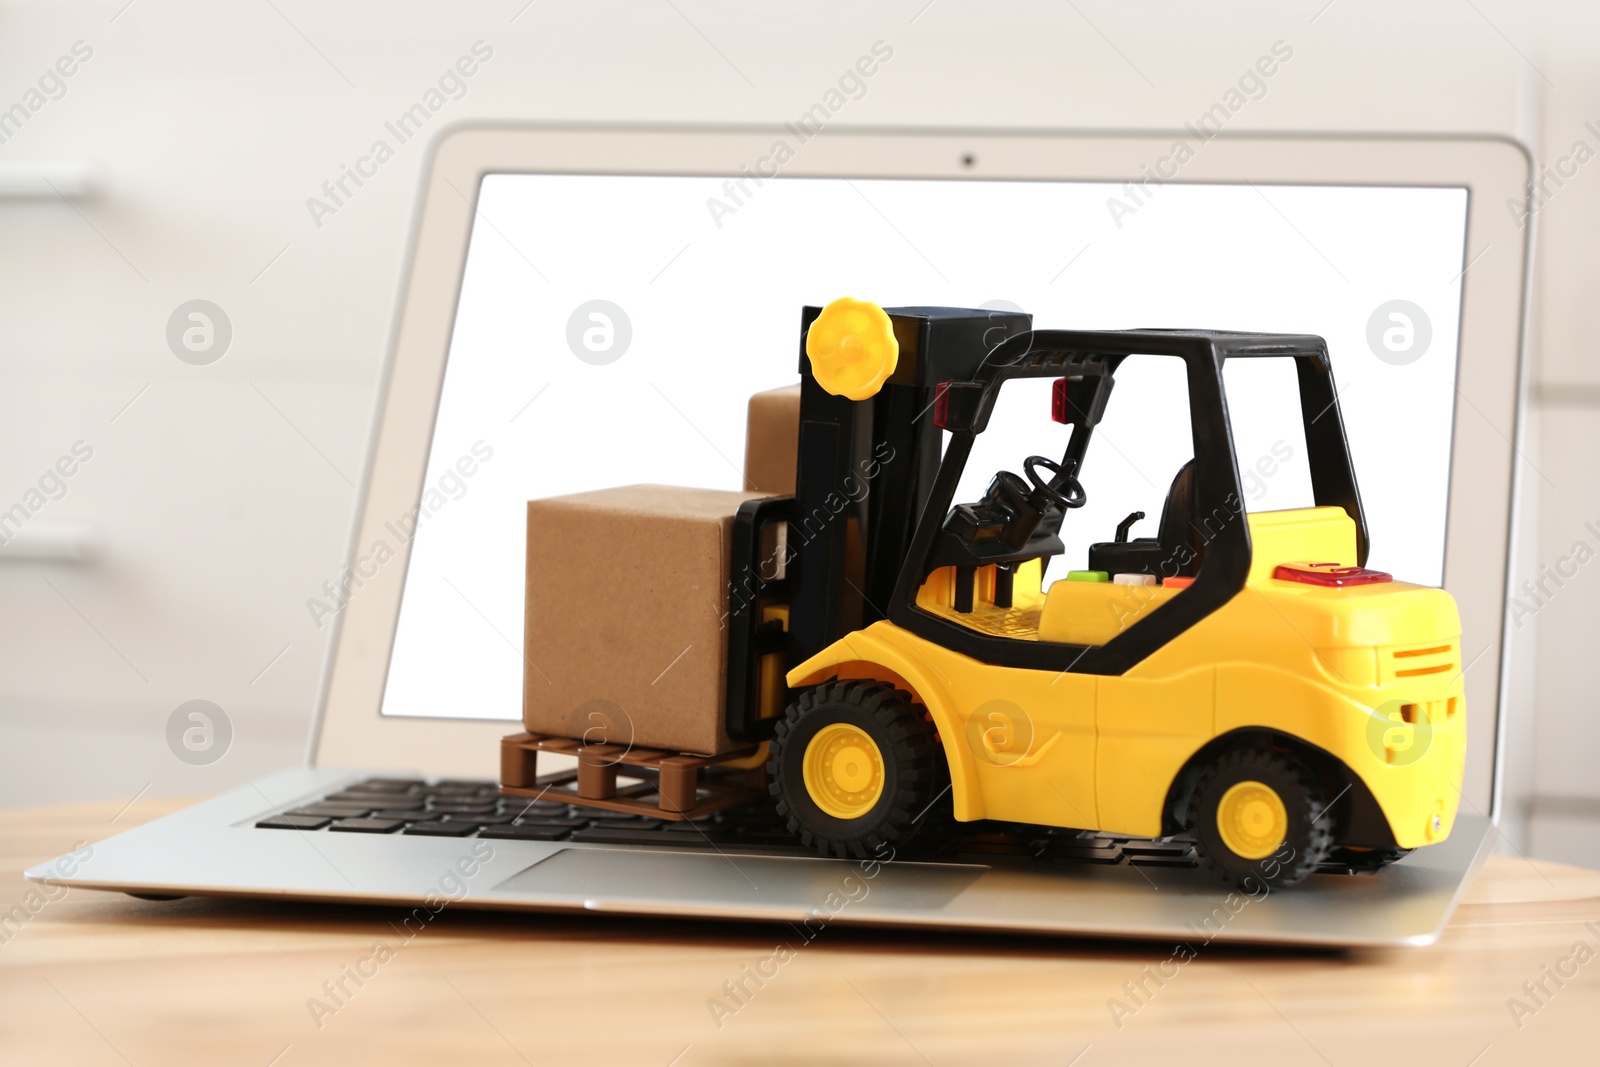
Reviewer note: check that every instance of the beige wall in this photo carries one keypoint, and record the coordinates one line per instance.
(222, 495)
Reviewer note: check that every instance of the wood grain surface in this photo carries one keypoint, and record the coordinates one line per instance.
(97, 978)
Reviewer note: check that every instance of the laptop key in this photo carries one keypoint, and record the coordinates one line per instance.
(366, 826)
(524, 833)
(373, 800)
(1106, 857)
(607, 815)
(440, 828)
(294, 822)
(335, 811)
(517, 806)
(457, 791)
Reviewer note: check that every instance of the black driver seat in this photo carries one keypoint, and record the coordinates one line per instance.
(1160, 555)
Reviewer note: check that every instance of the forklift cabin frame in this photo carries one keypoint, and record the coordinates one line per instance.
(1088, 360)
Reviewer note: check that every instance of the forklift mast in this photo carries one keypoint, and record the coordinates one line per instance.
(864, 472)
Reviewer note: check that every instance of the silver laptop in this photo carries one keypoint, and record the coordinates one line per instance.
(692, 252)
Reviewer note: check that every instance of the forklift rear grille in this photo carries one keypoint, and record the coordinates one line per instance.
(1422, 662)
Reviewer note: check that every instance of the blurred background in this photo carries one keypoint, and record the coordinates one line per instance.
(154, 153)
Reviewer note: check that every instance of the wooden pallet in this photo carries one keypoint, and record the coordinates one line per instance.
(677, 781)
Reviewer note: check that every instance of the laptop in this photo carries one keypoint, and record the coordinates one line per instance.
(593, 307)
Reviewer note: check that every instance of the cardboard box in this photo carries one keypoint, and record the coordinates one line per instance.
(772, 441)
(626, 595)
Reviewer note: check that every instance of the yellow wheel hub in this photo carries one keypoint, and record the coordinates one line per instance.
(843, 771)
(1252, 820)
(852, 348)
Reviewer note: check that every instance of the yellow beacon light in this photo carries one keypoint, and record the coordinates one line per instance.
(852, 348)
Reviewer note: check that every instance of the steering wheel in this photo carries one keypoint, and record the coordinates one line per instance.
(1073, 497)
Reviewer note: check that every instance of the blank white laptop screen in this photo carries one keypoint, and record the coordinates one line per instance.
(610, 330)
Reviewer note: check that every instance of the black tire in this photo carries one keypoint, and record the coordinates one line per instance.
(1308, 834)
(915, 774)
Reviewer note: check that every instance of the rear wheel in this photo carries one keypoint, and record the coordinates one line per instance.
(1259, 819)
(854, 766)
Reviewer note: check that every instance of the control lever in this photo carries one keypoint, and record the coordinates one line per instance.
(1125, 525)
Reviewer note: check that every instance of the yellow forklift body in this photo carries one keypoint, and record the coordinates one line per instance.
(1369, 674)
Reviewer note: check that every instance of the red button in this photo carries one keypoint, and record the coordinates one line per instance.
(1330, 574)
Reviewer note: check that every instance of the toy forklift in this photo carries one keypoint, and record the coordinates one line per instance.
(1240, 678)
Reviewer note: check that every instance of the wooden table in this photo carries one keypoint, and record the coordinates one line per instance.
(96, 978)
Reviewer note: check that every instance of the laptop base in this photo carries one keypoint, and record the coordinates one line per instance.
(216, 849)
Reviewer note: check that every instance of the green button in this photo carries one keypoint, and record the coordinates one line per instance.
(1088, 576)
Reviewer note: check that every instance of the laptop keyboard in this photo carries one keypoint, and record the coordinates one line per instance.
(411, 806)
(416, 807)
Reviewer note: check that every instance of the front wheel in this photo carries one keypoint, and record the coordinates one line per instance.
(1259, 819)
(854, 766)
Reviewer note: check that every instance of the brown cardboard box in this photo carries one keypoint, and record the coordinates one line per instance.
(626, 593)
(771, 442)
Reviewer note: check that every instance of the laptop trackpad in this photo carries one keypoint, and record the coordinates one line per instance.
(601, 875)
